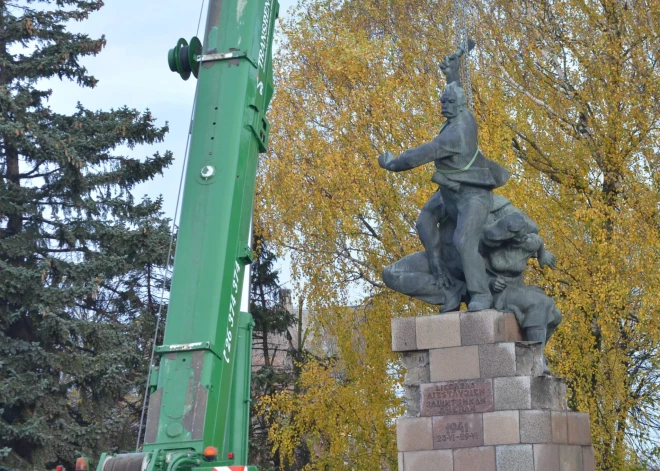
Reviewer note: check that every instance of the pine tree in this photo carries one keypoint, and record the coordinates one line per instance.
(273, 348)
(270, 315)
(80, 260)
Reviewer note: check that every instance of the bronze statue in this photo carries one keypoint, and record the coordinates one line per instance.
(466, 179)
(507, 245)
(477, 244)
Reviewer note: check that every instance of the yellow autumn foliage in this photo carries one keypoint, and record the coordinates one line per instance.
(567, 95)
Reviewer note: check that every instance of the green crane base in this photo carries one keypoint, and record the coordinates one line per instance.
(235, 449)
(166, 462)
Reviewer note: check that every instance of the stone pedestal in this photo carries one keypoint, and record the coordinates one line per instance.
(476, 399)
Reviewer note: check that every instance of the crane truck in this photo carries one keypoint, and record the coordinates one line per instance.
(199, 386)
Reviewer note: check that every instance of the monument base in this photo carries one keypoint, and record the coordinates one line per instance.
(477, 399)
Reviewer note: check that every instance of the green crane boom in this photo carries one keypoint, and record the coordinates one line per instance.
(199, 392)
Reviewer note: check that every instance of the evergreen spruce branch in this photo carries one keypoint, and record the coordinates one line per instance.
(77, 252)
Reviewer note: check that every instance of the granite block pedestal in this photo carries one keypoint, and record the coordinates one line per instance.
(476, 399)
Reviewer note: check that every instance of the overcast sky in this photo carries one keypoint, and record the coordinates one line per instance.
(133, 71)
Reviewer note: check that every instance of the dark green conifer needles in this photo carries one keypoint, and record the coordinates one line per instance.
(80, 260)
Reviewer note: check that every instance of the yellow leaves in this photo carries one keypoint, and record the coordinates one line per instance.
(338, 412)
(561, 102)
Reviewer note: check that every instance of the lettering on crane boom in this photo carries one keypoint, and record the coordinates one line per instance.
(232, 312)
(265, 33)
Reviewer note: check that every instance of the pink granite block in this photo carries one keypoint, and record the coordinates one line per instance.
(414, 433)
(559, 428)
(502, 428)
(546, 457)
(435, 460)
(579, 428)
(404, 336)
(475, 459)
(512, 331)
(570, 458)
(456, 363)
(439, 331)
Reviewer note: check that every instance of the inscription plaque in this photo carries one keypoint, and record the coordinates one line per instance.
(457, 397)
(458, 431)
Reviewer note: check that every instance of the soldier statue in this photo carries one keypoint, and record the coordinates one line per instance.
(466, 179)
(476, 244)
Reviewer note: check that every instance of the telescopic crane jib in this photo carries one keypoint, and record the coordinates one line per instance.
(199, 387)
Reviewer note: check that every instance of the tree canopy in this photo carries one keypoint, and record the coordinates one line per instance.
(566, 95)
(80, 259)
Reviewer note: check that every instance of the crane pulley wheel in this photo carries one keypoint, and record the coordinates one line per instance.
(184, 58)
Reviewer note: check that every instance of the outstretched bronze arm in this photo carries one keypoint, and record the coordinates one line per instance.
(411, 158)
(444, 145)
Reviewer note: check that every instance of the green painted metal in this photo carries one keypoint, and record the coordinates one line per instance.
(194, 50)
(200, 390)
(199, 357)
(177, 59)
(184, 57)
(239, 421)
